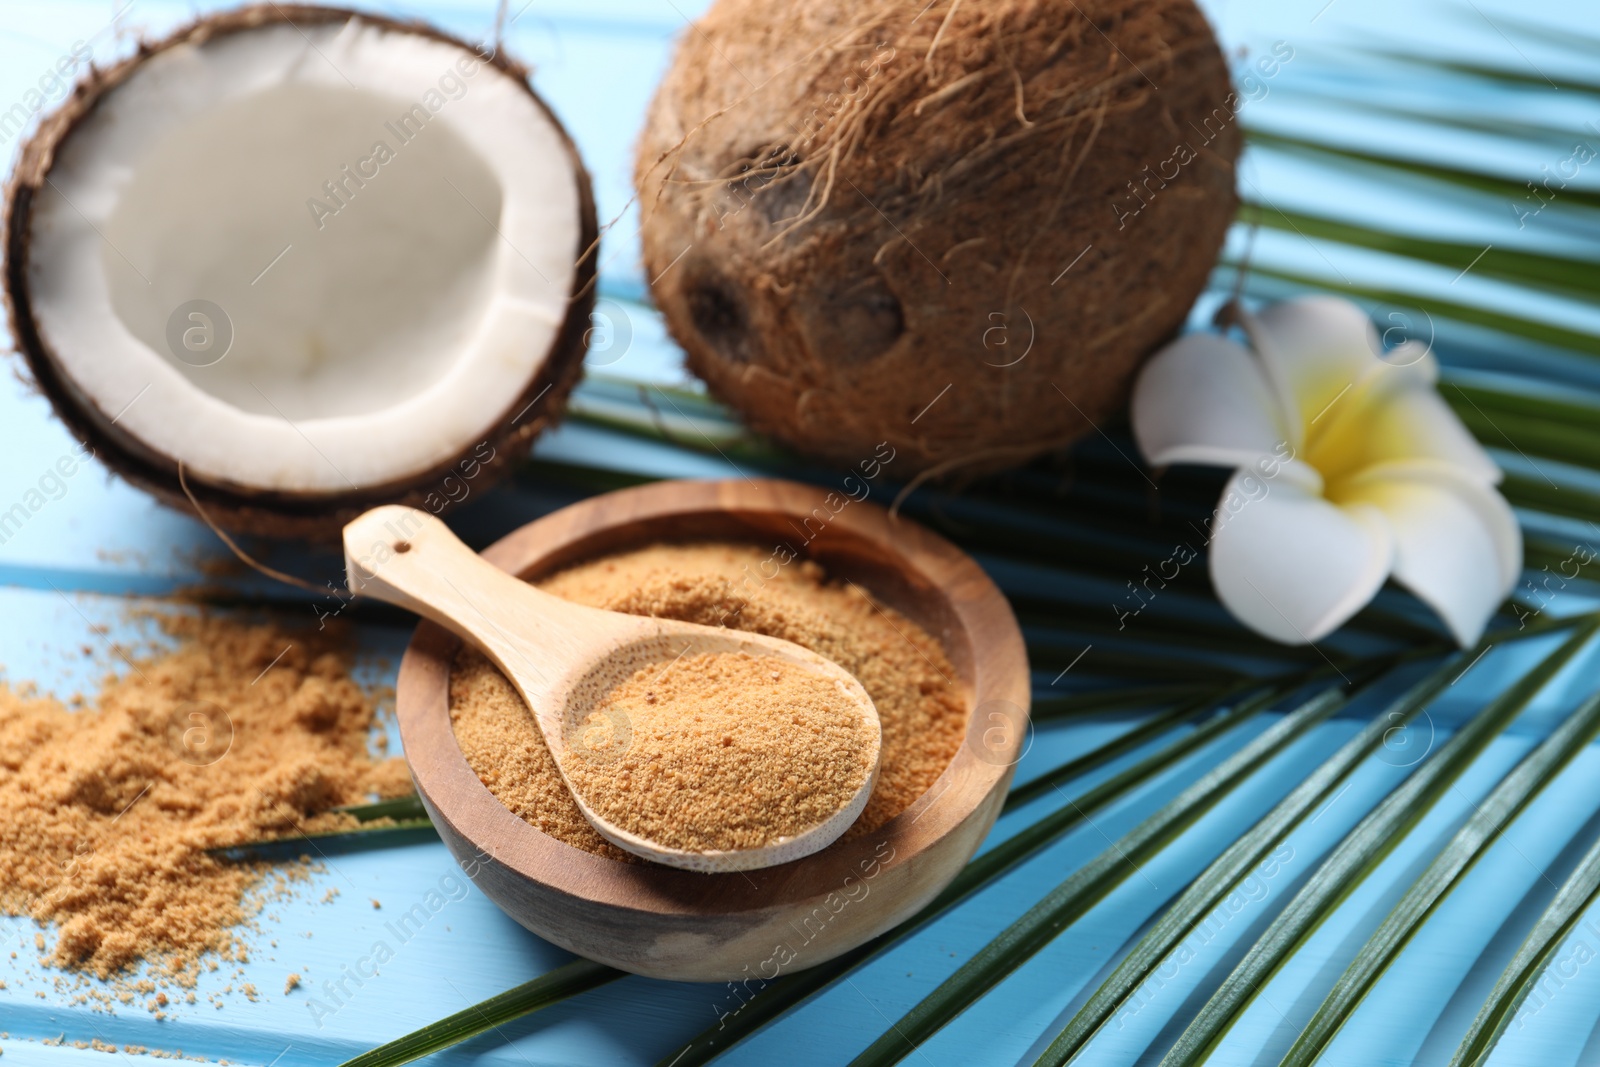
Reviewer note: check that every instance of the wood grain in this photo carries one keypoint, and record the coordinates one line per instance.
(563, 658)
(745, 926)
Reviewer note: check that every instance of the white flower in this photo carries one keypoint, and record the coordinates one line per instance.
(1349, 468)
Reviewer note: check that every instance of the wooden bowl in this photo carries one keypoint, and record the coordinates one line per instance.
(685, 926)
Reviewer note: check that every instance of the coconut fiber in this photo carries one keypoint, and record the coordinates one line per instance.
(957, 226)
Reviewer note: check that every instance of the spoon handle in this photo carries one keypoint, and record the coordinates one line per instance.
(410, 559)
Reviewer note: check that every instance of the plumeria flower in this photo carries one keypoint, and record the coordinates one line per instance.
(1348, 468)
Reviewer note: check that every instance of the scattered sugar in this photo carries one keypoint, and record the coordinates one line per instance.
(106, 814)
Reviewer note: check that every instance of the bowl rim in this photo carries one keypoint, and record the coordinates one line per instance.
(997, 679)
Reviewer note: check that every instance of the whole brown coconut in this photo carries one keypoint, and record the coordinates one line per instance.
(957, 227)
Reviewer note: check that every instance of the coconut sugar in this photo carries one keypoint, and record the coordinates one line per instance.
(239, 733)
(721, 751)
(922, 707)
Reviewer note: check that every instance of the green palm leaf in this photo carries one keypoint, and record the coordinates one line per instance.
(1576, 895)
(1121, 698)
(569, 980)
(1524, 399)
(1229, 871)
(1070, 900)
(401, 808)
(1578, 276)
(1490, 819)
(1359, 854)
(1503, 75)
(1137, 737)
(1385, 159)
(1538, 330)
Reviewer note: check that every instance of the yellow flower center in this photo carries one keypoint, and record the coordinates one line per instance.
(1338, 439)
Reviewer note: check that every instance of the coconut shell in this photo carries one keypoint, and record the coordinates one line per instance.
(316, 516)
(956, 227)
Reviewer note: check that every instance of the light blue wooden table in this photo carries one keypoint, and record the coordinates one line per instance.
(80, 559)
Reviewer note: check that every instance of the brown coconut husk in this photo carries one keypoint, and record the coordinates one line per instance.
(316, 516)
(856, 215)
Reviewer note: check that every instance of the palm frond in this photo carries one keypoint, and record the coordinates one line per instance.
(1500, 75)
(330, 842)
(401, 809)
(1359, 854)
(1580, 277)
(1120, 698)
(1228, 871)
(569, 980)
(1070, 900)
(1575, 897)
(1489, 819)
(1540, 331)
(1152, 728)
(1391, 159)
(397, 821)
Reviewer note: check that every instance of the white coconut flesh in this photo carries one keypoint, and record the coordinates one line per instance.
(389, 224)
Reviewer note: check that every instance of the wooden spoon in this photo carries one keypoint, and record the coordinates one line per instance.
(564, 657)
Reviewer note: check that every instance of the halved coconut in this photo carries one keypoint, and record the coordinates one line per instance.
(321, 259)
